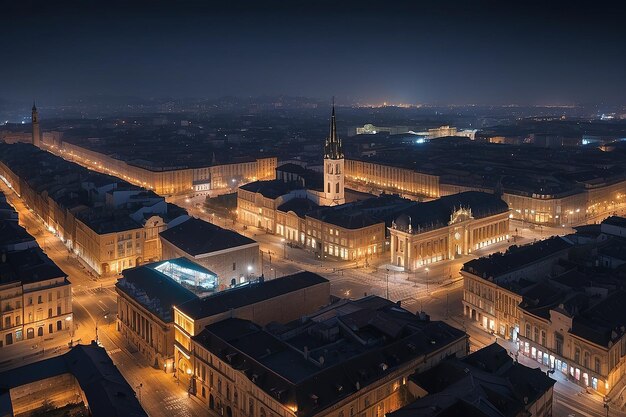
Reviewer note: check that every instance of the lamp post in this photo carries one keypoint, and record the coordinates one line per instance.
(426, 269)
(284, 248)
(97, 321)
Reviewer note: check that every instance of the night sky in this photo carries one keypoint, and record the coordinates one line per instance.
(421, 52)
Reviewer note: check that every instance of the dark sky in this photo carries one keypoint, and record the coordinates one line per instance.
(368, 51)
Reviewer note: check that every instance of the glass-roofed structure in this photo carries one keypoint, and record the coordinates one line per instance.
(192, 276)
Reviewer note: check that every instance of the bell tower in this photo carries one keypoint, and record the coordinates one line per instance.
(333, 166)
(36, 131)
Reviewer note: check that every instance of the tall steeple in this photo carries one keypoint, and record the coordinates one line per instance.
(333, 166)
(333, 148)
(36, 137)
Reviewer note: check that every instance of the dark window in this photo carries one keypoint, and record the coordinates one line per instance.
(40, 331)
(59, 325)
(234, 266)
(39, 300)
(558, 343)
(50, 328)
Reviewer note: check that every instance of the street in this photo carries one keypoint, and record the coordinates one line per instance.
(95, 306)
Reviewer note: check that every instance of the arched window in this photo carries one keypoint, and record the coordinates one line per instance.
(527, 330)
(262, 412)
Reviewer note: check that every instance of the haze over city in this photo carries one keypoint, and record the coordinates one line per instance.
(451, 52)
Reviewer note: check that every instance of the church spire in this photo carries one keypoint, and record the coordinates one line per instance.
(34, 107)
(333, 148)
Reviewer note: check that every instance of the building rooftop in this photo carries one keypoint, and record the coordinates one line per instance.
(438, 213)
(516, 257)
(272, 188)
(155, 290)
(197, 237)
(604, 322)
(248, 294)
(615, 221)
(28, 266)
(300, 206)
(363, 213)
(486, 383)
(12, 233)
(323, 358)
(516, 169)
(104, 221)
(106, 391)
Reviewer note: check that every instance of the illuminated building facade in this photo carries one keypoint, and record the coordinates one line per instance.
(262, 302)
(332, 362)
(145, 296)
(171, 180)
(404, 181)
(109, 224)
(555, 187)
(573, 320)
(492, 286)
(447, 228)
(310, 210)
(35, 295)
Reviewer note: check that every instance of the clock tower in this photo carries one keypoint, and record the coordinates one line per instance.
(333, 166)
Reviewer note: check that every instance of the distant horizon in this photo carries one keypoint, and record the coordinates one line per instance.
(339, 101)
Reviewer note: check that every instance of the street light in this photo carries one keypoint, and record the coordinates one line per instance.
(284, 248)
(97, 320)
(426, 269)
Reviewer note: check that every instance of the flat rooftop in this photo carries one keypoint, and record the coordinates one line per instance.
(516, 257)
(198, 237)
(249, 294)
